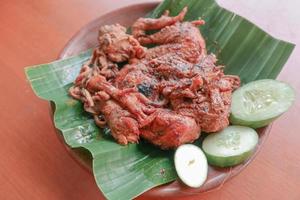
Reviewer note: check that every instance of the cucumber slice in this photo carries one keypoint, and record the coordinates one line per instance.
(258, 103)
(191, 165)
(231, 146)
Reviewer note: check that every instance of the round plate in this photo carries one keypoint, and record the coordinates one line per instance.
(87, 38)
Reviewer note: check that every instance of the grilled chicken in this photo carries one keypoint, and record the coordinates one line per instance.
(165, 94)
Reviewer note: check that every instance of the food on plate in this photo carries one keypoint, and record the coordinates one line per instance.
(125, 71)
(191, 165)
(166, 94)
(231, 146)
(258, 103)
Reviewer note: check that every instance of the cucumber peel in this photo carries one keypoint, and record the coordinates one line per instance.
(231, 146)
(258, 103)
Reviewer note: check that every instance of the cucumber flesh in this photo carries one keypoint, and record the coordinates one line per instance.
(231, 146)
(191, 165)
(258, 103)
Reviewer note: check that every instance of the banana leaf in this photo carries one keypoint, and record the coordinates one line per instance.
(124, 172)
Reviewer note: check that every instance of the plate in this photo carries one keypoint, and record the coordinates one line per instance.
(87, 38)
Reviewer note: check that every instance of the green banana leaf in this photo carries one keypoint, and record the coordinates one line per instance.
(124, 172)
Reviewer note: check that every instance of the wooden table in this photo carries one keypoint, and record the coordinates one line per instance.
(34, 164)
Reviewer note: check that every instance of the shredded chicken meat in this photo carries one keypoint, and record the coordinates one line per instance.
(166, 94)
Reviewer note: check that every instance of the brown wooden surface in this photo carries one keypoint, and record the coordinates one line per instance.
(34, 164)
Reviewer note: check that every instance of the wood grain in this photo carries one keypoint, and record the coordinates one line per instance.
(33, 163)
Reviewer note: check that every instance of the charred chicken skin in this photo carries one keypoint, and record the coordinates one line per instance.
(166, 94)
